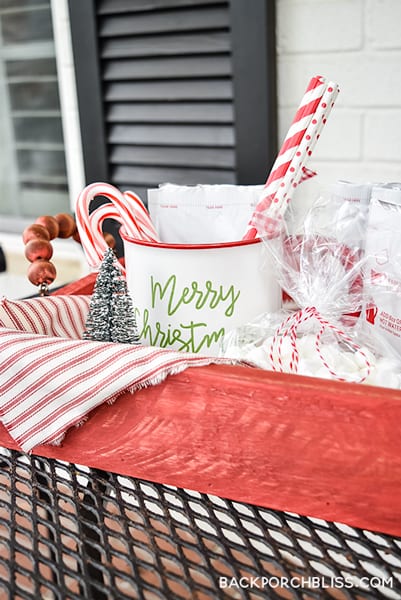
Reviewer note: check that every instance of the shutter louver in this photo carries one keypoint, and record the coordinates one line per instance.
(166, 74)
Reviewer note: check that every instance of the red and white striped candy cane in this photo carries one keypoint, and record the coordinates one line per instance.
(92, 240)
(108, 211)
(96, 218)
(126, 208)
(143, 221)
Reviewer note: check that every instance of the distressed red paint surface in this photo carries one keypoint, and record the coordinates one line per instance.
(324, 449)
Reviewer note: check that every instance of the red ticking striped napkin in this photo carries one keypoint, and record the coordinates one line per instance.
(50, 379)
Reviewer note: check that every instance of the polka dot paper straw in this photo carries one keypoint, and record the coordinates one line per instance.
(289, 167)
(296, 132)
(306, 147)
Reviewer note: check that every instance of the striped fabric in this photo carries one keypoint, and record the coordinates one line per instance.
(50, 380)
(61, 316)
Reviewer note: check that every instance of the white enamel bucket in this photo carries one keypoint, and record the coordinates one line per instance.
(188, 296)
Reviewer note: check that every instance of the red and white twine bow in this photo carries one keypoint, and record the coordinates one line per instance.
(289, 330)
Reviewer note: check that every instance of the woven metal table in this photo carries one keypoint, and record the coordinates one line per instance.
(70, 532)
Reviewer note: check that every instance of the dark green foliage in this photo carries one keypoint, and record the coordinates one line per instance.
(111, 316)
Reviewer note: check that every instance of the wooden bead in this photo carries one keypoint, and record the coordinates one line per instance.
(37, 249)
(110, 240)
(42, 272)
(35, 231)
(66, 225)
(50, 224)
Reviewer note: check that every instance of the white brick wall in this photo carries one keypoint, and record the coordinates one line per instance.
(356, 43)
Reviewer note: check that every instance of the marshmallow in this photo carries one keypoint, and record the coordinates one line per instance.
(258, 356)
(332, 356)
(323, 373)
(347, 365)
(388, 363)
(307, 346)
(235, 352)
(386, 378)
(361, 355)
(309, 366)
(282, 351)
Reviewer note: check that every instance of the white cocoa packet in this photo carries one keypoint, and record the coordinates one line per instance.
(202, 214)
(382, 282)
(349, 204)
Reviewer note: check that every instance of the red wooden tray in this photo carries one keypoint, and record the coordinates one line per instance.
(325, 449)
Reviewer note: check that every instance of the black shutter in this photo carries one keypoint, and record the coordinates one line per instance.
(188, 90)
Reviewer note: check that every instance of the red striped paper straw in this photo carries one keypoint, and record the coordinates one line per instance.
(269, 220)
(296, 132)
(294, 173)
(288, 167)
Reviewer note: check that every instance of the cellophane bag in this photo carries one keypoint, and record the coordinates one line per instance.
(382, 312)
(321, 337)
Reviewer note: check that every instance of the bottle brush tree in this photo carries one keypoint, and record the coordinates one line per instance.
(111, 316)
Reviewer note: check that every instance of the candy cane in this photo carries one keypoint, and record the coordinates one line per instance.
(141, 228)
(143, 221)
(126, 208)
(96, 218)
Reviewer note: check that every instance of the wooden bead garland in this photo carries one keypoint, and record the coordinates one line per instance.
(38, 249)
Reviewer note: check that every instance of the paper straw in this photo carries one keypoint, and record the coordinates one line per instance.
(289, 167)
(303, 116)
(291, 179)
(301, 120)
(307, 145)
